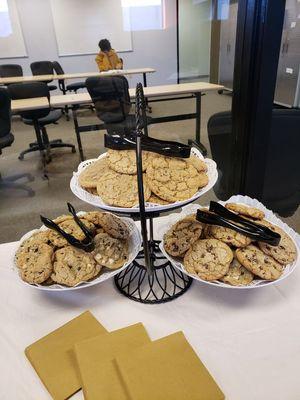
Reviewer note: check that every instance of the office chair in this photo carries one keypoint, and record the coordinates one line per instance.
(6, 140)
(38, 119)
(282, 176)
(43, 68)
(8, 70)
(110, 96)
(72, 87)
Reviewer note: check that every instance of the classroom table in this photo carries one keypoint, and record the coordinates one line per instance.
(77, 75)
(152, 93)
(248, 339)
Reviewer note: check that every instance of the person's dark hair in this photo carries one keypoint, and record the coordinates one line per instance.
(104, 45)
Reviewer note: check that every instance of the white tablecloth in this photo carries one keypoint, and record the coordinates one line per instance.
(248, 339)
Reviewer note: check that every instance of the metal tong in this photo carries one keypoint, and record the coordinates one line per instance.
(119, 141)
(87, 244)
(219, 215)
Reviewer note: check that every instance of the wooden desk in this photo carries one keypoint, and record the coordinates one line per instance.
(161, 93)
(79, 75)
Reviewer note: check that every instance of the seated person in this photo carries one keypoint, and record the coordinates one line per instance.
(107, 58)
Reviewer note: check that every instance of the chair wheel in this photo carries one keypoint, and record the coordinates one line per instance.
(220, 91)
(21, 158)
(73, 150)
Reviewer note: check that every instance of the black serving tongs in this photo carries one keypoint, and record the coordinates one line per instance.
(87, 244)
(219, 215)
(118, 141)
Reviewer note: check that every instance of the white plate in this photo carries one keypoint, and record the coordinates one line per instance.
(269, 215)
(134, 245)
(96, 201)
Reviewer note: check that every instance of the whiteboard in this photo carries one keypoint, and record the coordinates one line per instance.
(11, 37)
(80, 24)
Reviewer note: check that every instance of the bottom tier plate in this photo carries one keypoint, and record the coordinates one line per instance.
(269, 215)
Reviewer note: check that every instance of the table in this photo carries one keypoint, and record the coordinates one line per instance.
(249, 340)
(162, 92)
(78, 75)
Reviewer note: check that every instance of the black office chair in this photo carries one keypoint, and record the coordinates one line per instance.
(8, 70)
(282, 177)
(72, 87)
(111, 99)
(43, 68)
(6, 140)
(38, 119)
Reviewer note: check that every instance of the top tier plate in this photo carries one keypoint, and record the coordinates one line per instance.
(96, 201)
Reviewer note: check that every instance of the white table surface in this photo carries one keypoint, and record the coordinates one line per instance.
(248, 339)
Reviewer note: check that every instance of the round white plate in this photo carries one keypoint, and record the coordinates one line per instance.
(96, 201)
(134, 245)
(269, 215)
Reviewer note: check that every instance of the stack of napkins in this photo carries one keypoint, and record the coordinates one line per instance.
(120, 365)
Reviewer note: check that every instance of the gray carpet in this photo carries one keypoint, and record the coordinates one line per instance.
(19, 213)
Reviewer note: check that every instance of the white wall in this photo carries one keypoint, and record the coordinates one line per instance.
(194, 37)
(153, 48)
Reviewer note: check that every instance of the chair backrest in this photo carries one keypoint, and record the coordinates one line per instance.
(110, 96)
(282, 176)
(57, 68)
(5, 113)
(30, 90)
(59, 71)
(42, 68)
(8, 70)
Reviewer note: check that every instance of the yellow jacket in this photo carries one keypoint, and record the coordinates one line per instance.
(107, 61)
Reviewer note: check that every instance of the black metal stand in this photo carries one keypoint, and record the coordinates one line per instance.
(151, 278)
(164, 283)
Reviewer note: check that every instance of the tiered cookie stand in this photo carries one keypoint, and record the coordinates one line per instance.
(150, 278)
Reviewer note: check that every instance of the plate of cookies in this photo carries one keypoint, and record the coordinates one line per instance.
(46, 261)
(110, 182)
(223, 257)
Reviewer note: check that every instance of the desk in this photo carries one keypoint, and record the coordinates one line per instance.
(75, 100)
(79, 75)
(248, 339)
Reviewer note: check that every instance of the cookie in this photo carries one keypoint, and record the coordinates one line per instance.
(208, 258)
(124, 161)
(110, 252)
(120, 190)
(259, 263)
(237, 275)
(199, 164)
(40, 237)
(72, 266)
(173, 179)
(88, 178)
(34, 261)
(94, 217)
(62, 218)
(247, 211)
(285, 253)
(182, 235)
(157, 200)
(69, 226)
(227, 235)
(114, 226)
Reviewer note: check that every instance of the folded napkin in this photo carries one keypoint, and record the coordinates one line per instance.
(53, 359)
(167, 369)
(99, 374)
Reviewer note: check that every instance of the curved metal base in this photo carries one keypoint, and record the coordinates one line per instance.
(165, 284)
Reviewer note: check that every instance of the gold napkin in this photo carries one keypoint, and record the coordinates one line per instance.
(95, 357)
(53, 359)
(167, 369)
